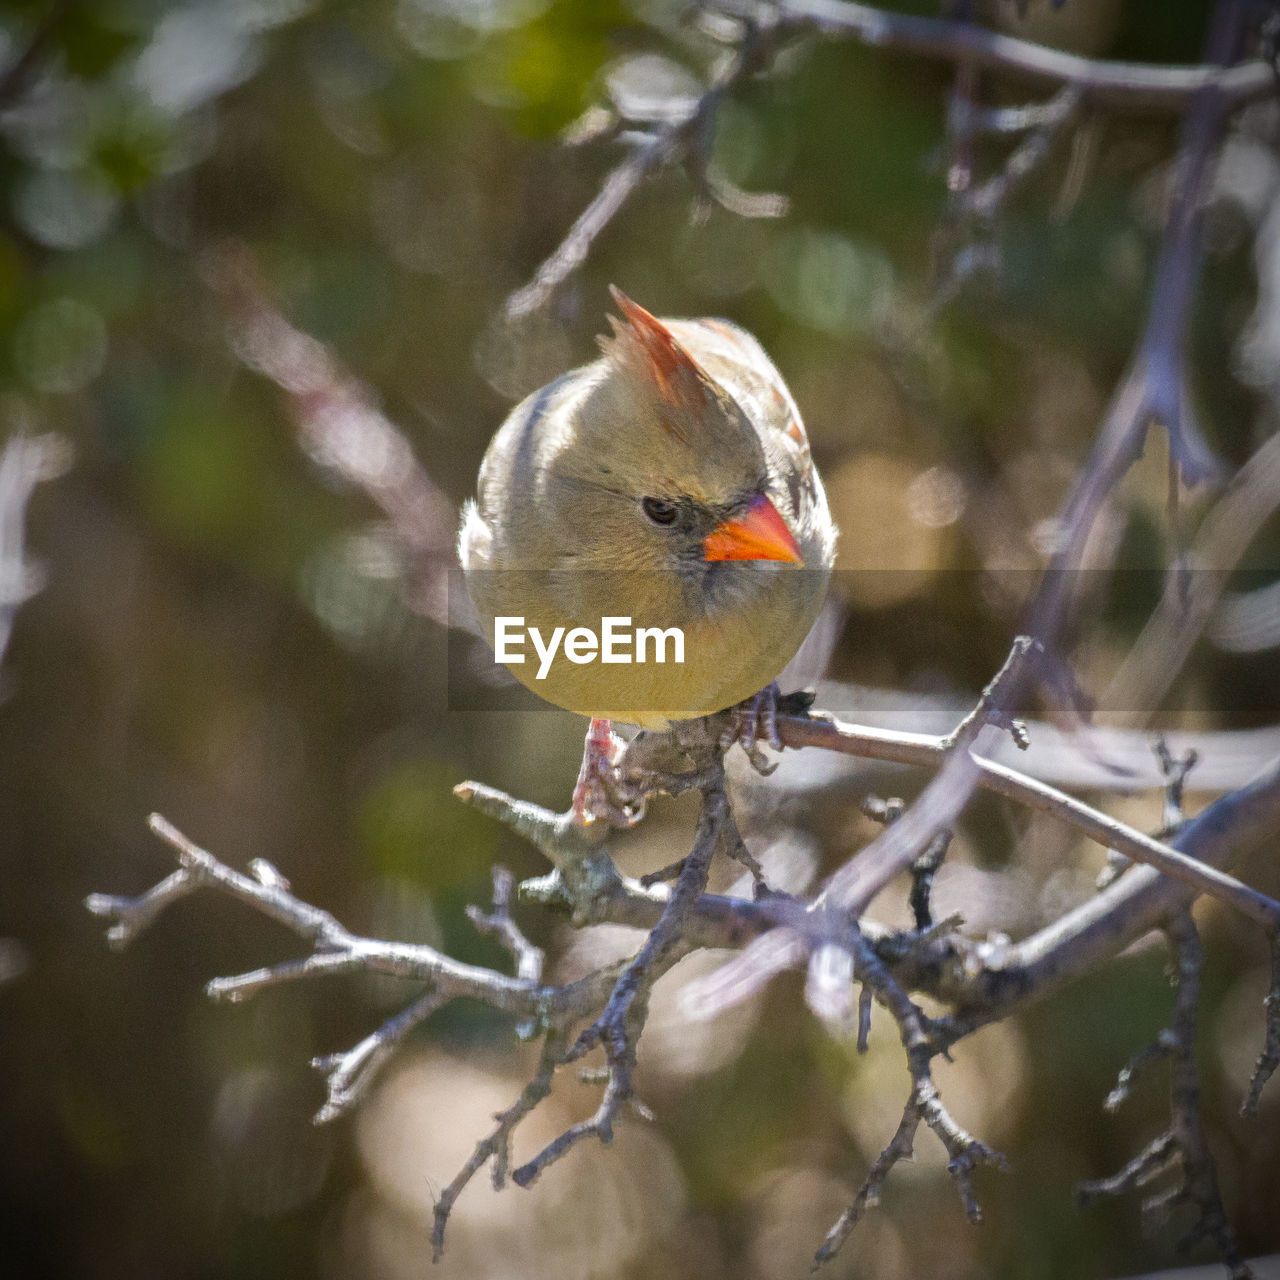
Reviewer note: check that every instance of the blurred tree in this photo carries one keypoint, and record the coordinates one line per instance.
(233, 227)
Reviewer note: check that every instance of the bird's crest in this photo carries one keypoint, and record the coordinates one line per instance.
(644, 344)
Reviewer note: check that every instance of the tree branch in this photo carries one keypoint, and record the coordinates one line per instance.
(1127, 86)
(932, 752)
(26, 462)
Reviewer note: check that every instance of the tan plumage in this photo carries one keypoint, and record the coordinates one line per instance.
(574, 520)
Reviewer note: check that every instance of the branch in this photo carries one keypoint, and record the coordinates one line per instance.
(1184, 1146)
(1193, 589)
(618, 1028)
(1151, 390)
(350, 1074)
(921, 1044)
(26, 462)
(685, 131)
(983, 987)
(1269, 1058)
(1127, 86)
(885, 962)
(497, 1145)
(336, 950)
(922, 749)
(339, 426)
(685, 135)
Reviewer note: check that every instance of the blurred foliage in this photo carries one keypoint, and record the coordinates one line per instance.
(216, 640)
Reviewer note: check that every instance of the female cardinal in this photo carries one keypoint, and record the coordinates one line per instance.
(667, 485)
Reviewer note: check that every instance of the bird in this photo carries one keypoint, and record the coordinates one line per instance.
(668, 484)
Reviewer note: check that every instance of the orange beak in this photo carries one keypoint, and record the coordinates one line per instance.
(761, 534)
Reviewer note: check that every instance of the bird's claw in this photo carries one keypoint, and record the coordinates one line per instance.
(753, 720)
(600, 794)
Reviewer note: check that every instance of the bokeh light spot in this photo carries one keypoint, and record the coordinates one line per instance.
(62, 211)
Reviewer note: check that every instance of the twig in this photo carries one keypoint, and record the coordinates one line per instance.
(1160, 1048)
(1269, 1058)
(685, 135)
(26, 462)
(618, 1027)
(1186, 607)
(856, 883)
(339, 425)
(900, 1147)
(1152, 390)
(922, 749)
(981, 987)
(349, 1075)
(497, 1145)
(1184, 1146)
(1053, 116)
(924, 868)
(1128, 86)
(499, 924)
(336, 949)
(882, 961)
(921, 1044)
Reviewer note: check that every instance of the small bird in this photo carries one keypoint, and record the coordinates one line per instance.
(667, 485)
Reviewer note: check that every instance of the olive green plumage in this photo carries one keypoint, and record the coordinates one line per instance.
(598, 497)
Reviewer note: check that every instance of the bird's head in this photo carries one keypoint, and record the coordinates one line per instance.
(667, 470)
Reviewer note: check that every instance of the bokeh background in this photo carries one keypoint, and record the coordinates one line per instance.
(223, 632)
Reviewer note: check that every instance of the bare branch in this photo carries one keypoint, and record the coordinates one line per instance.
(618, 1028)
(26, 462)
(1189, 599)
(1160, 1048)
(499, 924)
(337, 950)
(683, 137)
(1128, 86)
(1184, 1146)
(1152, 391)
(922, 749)
(987, 201)
(921, 1042)
(900, 1147)
(339, 425)
(1269, 1058)
(1154, 1159)
(350, 1074)
(854, 886)
(497, 1145)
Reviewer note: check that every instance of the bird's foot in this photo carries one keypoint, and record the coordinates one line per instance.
(600, 794)
(753, 720)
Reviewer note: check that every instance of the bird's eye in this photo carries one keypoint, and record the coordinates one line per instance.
(659, 510)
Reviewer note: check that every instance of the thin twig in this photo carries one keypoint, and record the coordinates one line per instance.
(1269, 1058)
(1128, 86)
(618, 1027)
(339, 425)
(684, 136)
(930, 751)
(1183, 1147)
(26, 462)
(349, 1075)
(336, 949)
(496, 1146)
